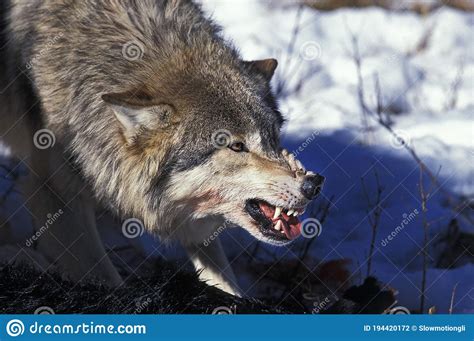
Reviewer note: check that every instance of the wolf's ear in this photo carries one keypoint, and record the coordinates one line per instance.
(265, 67)
(137, 111)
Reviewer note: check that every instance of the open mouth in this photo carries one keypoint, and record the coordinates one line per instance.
(277, 223)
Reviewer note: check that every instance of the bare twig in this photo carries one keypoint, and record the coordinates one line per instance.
(424, 197)
(321, 213)
(290, 69)
(452, 298)
(374, 212)
(360, 89)
(385, 122)
(281, 84)
(424, 41)
(452, 101)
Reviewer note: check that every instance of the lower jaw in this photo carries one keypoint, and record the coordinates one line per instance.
(273, 236)
(288, 228)
(266, 233)
(274, 241)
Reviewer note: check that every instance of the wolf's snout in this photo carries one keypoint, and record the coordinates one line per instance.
(312, 185)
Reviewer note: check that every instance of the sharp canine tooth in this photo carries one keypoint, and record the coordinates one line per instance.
(295, 214)
(277, 212)
(290, 212)
(278, 225)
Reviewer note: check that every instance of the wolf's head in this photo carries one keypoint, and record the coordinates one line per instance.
(215, 138)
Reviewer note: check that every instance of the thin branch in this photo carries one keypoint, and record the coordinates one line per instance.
(454, 91)
(374, 212)
(360, 90)
(451, 305)
(281, 84)
(424, 197)
(385, 122)
(321, 213)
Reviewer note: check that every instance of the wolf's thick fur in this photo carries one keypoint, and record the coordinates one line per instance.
(134, 92)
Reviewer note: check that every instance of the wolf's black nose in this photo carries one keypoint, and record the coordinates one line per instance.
(312, 185)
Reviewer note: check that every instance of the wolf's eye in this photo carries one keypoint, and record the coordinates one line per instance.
(238, 147)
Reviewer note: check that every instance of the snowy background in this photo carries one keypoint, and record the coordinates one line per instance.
(417, 71)
(424, 67)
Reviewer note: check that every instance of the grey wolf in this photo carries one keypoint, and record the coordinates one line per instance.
(150, 113)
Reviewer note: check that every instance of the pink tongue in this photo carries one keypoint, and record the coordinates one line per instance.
(291, 227)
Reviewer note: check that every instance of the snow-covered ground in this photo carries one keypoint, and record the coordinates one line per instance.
(424, 66)
(425, 70)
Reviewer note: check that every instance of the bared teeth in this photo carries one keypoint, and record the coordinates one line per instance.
(277, 212)
(295, 214)
(290, 212)
(278, 225)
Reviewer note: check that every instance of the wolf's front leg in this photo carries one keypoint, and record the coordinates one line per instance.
(65, 225)
(215, 269)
